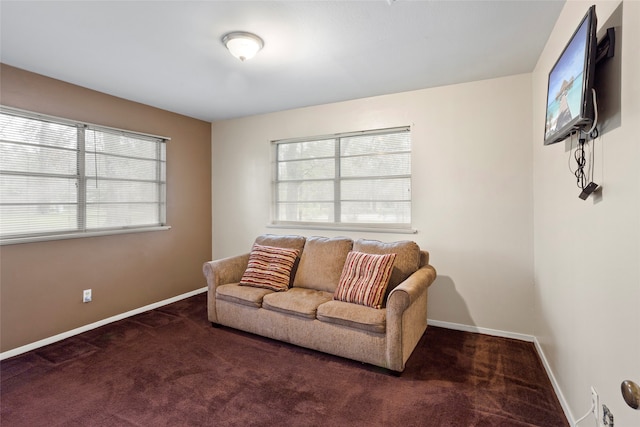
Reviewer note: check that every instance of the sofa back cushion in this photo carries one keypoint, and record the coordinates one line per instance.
(321, 263)
(290, 242)
(407, 259)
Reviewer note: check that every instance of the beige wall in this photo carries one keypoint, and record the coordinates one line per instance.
(41, 283)
(472, 203)
(587, 253)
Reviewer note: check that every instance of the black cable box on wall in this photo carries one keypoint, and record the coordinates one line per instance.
(590, 188)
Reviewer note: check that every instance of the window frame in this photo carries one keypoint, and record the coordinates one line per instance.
(398, 228)
(81, 230)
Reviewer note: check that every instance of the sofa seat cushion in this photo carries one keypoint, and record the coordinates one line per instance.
(296, 301)
(245, 295)
(354, 316)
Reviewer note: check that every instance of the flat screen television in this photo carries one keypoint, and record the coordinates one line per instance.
(569, 97)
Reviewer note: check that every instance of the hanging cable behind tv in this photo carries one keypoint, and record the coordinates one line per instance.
(580, 157)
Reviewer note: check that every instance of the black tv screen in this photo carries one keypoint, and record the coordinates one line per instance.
(569, 97)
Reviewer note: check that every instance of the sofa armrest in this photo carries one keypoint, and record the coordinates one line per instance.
(410, 290)
(225, 270)
(221, 272)
(407, 316)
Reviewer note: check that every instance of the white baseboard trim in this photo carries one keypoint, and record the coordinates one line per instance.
(479, 330)
(517, 336)
(85, 328)
(554, 383)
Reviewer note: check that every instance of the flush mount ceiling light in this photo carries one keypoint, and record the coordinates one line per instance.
(242, 45)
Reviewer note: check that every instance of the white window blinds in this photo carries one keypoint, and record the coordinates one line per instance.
(60, 177)
(361, 178)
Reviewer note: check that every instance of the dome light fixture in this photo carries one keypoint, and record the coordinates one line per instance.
(242, 45)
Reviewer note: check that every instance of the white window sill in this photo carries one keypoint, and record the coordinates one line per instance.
(79, 235)
(333, 227)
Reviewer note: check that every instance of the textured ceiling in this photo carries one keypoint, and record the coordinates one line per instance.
(168, 53)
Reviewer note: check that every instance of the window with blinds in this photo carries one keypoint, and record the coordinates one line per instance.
(60, 177)
(352, 179)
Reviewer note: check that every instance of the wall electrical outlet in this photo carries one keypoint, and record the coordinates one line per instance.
(595, 404)
(86, 296)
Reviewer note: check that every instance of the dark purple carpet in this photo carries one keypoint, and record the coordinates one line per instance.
(169, 367)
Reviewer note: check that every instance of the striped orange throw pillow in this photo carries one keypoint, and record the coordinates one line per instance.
(364, 278)
(269, 267)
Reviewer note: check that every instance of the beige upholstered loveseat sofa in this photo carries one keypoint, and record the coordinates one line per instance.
(306, 313)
